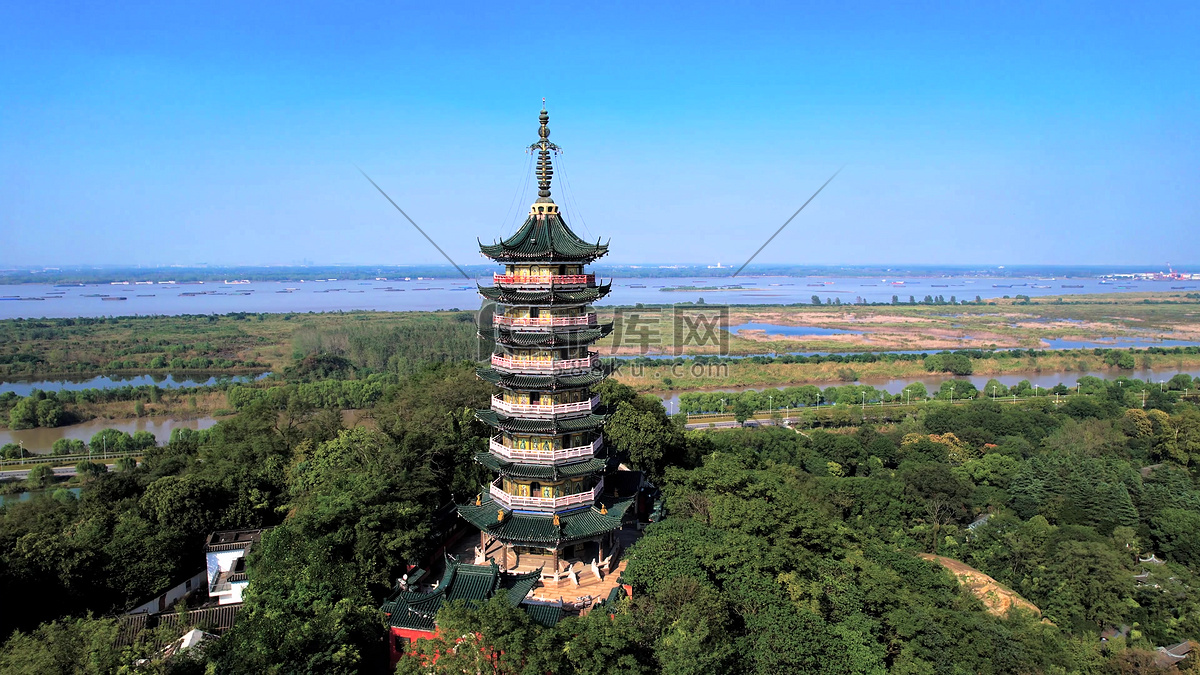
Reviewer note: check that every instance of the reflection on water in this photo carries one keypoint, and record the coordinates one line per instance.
(40, 441)
(116, 382)
(26, 496)
(775, 329)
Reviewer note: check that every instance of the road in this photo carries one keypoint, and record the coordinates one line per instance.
(61, 471)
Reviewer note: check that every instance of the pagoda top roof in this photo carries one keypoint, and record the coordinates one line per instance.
(540, 530)
(473, 583)
(545, 236)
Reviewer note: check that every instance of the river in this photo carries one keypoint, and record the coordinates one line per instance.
(39, 441)
(44, 300)
(25, 387)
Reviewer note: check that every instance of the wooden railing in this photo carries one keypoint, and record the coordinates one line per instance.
(538, 321)
(544, 503)
(550, 366)
(527, 454)
(543, 409)
(543, 279)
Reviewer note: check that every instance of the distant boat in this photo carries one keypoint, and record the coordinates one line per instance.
(237, 282)
(1074, 285)
(111, 298)
(145, 295)
(637, 285)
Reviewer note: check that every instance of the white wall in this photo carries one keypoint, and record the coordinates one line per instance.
(172, 595)
(222, 561)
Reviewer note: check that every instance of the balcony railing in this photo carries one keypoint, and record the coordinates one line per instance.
(543, 279)
(542, 321)
(549, 366)
(544, 503)
(543, 409)
(526, 454)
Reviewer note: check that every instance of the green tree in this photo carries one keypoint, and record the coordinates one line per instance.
(40, 476)
(305, 612)
(743, 410)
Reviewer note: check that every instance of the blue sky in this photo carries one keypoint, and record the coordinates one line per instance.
(228, 133)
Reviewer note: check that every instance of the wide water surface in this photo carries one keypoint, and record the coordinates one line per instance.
(44, 300)
(39, 441)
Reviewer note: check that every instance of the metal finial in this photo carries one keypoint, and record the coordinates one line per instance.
(545, 169)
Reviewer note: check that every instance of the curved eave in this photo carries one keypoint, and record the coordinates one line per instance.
(537, 339)
(544, 298)
(545, 471)
(539, 530)
(544, 237)
(554, 426)
(537, 382)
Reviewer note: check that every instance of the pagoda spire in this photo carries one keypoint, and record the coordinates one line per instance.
(545, 169)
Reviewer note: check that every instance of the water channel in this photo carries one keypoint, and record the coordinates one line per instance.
(41, 440)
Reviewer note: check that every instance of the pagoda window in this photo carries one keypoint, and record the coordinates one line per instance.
(548, 492)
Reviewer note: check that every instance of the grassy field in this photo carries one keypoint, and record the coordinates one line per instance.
(668, 377)
(221, 344)
(1003, 323)
(400, 341)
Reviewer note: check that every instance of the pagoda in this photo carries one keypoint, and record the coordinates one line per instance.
(550, 497)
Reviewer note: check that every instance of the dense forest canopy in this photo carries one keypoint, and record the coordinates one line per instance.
(785, 550)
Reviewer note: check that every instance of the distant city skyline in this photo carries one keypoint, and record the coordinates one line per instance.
(229, 134)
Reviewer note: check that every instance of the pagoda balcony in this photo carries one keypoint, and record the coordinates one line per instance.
(545, 280)
(555, 366)
(544, 503)
(543, 409)
(544, 456)
(544, 321)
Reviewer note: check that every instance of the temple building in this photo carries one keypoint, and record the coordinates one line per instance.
(554, 521)
(557, 493)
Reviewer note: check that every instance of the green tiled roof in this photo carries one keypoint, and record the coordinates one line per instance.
(546, 615)
(537, 382)
(542, 471)
(532, 426)
(539, 530)
(544, 238)
(508, 296)
(547, 339)
(473, 583)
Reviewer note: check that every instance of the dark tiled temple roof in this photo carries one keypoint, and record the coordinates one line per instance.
(538, 382)
(543, 238)
(545, 614)
(549, 339)
(539, 530)
(473, 583)
(542, 471)
(508, 296)
(549, 426)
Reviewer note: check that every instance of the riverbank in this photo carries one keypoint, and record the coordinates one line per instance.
(669, 378)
